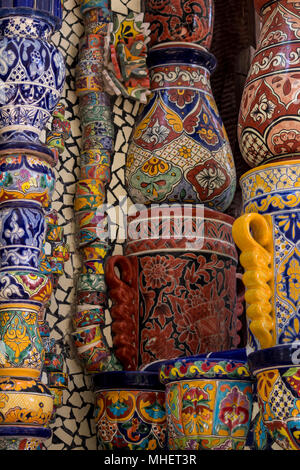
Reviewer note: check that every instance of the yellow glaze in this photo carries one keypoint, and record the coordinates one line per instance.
(253, 235)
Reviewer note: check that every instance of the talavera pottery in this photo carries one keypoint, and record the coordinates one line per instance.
(268, 124)
(176, 291)
(179, 150)
(24, 401)
(208, 401)
(267, 235)
(130, 411)
(23, 437)
(32, 74)
(180, 20)
(277, 372)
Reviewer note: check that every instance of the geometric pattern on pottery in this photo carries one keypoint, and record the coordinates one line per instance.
(279, 402)
(175, 158)
(32, 75)
(133, 420)
(269, 124)
(208, 414)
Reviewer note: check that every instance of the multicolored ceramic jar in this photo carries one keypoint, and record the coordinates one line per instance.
(179, 150)
(130, 411)
(176, 292)
(267, 235)
(23, 437)
(268, 124)
(208, 401)
(277, 371)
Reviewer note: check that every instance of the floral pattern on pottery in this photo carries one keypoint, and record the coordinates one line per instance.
(175, 296)
(268, 125)
(180, 20)
(130, 416)
(179, 150)
(208, 401)
(271, 198)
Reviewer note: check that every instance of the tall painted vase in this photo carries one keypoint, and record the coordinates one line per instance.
(175, 294)
(268, 236)
(268, 125)
(179, 151)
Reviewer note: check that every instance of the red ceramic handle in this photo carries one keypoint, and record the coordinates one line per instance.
(123, 291)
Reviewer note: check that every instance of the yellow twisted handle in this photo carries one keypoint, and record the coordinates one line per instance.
(253, 235)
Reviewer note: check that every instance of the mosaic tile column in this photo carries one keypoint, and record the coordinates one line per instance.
(32, 78)
(95, 161)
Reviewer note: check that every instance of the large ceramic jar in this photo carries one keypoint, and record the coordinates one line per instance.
(175, 293)
(268, 125)
(179, 150)
(32, 73)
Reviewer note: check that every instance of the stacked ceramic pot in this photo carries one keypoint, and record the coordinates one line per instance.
(32, 79)
(95, 173)
(267, 232)
(173, 291)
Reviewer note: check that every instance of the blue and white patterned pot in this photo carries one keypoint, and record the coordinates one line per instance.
(32, 75)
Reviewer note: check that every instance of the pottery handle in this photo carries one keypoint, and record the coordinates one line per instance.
(253, 235)
(124, 311)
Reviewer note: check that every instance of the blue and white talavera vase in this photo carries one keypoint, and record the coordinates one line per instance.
(32, 73)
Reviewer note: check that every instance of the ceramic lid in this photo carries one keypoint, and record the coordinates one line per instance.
(124, 380)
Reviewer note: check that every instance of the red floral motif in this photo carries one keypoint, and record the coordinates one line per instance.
(181, 96)
(158, 341)
(234, 409)
(161, 270)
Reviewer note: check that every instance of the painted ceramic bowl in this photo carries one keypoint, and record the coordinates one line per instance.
(23, 437)
(130, 411)
(208, 401)
(25, 401)
(277, 371)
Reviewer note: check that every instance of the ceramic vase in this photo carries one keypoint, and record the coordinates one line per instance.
(267, 235)
(32, 74)
(209, 401)
(179, 151)
(268, 125)
(130, 411)
(181, 21)
(175, 293)
(276, 370)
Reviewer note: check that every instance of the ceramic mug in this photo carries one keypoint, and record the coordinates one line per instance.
(277, 371)
(209, 401)
(267, 234)
(176, 294)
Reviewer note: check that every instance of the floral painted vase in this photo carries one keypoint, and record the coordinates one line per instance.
(208, 401)
(179, 151)
(176, 291)
(180, 20)
(130, 411)
(32, 73)
(267, 234)
(277, 372)
(268, 125)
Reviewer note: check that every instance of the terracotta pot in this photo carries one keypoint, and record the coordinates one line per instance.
(176, 294)
(268, 125)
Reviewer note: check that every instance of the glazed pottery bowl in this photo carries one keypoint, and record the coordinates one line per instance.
(268, 234)
(130, 411)
(208, 401)
(277, 372)
(26, 401)
(23, 437)
(184, 260)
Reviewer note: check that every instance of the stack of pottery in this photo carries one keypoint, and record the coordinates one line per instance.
(95, 161)
(32, 78)
(267, 232)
